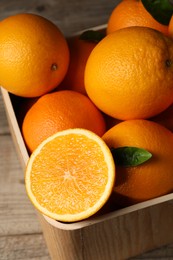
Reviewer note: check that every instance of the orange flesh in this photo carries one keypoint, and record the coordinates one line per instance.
(69, 187)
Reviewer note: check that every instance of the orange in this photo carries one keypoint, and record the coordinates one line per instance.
(151, 179)
(34, 56)
(58, 111)
(70, 175)
(165, 118)
(79, 52)
(132, 13)
(170, 27)
(129, 74)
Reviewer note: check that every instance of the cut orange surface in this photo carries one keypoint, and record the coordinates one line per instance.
(71, 175)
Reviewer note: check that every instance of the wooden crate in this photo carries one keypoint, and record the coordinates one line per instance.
(116, 235)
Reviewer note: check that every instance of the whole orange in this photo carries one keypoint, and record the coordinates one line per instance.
(80, 50)
(132, 13)
(58, 111)
(151, 179)
(129, 74)
(34, 55)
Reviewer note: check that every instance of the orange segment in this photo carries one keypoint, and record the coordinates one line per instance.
(70, 175)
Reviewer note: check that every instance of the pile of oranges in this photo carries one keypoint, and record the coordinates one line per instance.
(82, 99)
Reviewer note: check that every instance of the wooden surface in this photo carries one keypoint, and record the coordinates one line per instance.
(20, 232)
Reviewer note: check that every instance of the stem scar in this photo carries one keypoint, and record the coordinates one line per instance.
(54, 67)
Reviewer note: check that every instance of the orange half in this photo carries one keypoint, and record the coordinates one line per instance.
(70, 175)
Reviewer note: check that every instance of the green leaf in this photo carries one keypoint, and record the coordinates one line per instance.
(130, 156)
(161, 10)
(92, 36)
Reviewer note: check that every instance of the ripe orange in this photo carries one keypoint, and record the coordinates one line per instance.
(34, 55)
(132, 13)
(129, 74)
(170, 27)
(70, 176)
(165, 118)
(58, 111)
(79, 52)
(152, 178)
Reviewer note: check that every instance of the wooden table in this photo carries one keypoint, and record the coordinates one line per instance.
(20, 233)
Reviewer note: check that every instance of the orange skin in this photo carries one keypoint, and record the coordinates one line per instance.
(128, 70)
(58, 111)
(150, 179)
(34, 57)
(132, 13)
(170, 27)
(79, 53)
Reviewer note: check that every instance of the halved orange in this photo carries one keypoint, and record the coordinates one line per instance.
(70, 175)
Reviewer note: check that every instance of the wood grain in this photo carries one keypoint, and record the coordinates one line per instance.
(118, 238)
(23, 247)
(70, 16)
(4, 129)
(20, 231)
(14, 203)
